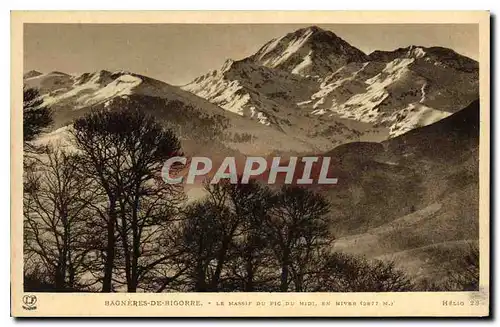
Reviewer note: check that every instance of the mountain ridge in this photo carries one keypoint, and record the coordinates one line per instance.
(70, 97)
(398, 90)
(388, 96)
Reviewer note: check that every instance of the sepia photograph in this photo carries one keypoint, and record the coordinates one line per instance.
(256, 162)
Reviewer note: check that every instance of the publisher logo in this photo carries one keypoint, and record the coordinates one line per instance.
(29, 302)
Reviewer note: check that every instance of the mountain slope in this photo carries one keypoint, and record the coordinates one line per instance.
(413, 198)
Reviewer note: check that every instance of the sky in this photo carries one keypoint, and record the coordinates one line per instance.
(178, 53)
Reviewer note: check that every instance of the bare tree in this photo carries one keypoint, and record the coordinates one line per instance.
(298, 229)
(123, 150)
(149, 217)
(56, 204)
(466, 278)
(252, 266)
(202, 243)
(339, 272)
(245, 237)
(462, 276)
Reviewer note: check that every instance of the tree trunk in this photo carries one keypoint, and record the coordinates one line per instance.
(249, 278)
(110, 252)
(60, 276)
(60, 280)
(285, 267)
(135, 262)
(126, 250)
(136, 245)
(220, 264)
(200, 284)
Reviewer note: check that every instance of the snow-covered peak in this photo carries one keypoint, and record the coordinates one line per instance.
(36, 75)
(32, 73)
(93, 88)
(293, 42)
(409, 52)
(279, 50)
(309, 51)
(99, 77)
(49, 82)
(313, 72)
(437, 56)
(415, 52)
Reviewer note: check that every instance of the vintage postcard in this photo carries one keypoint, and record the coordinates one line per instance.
(250, 164)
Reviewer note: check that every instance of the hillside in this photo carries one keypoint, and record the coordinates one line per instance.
(413, 198)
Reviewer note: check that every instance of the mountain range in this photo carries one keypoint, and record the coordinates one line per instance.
(313, 72)
(401, 126)
(304, 92)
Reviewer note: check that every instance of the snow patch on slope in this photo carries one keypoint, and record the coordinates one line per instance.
(228, 97)
(306, 62)
(263, 119)
(121, 86)
(422, 90)
(327, 88)
(413, 116)
(318, 112)
(92, 92)
(215, 88)
(416, 52)
(293, 47)
(270, 46)
(60, 137)
(363, 106)
(227, 94)
(303, 103)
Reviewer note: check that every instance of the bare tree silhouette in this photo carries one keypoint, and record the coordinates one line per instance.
(251, 265)
(339, 272)
(297, 230)
(56, 206)
(123, 150)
